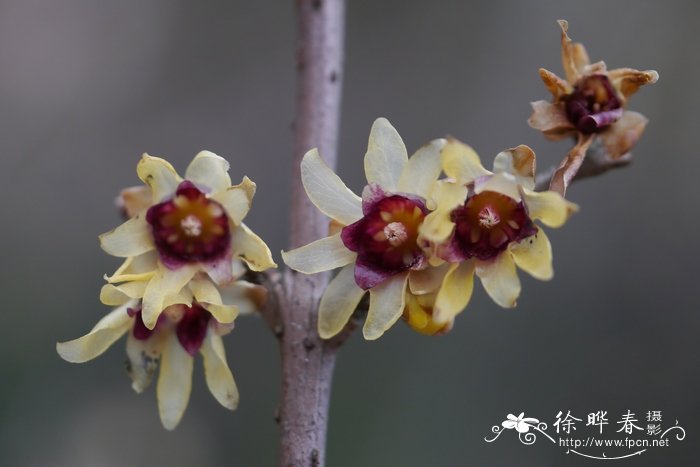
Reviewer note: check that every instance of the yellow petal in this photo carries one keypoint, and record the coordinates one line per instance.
(100, 338)
(209, 172)
(237, 200)
(183, 297)
(519, 162)
(327, 191)
(426, 280)
(217, 373)
(132, 238)
(245, 296)
(455, 292)
(321, 255)
(115, 295)
(158, 174)
(461, 162)
(134, 199)
(251, 249)
(386, 155)
(422, 169)
(143, 357)
(502, 183)
(386, 303)
(500, 279)
(207, 294)
(438, 226)
(338, 302)
(549, 207)
(135, 268)
(165, 282)
(534, 255)
(174, 382)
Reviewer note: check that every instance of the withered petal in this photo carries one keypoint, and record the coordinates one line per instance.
(627, 80)
(621, 136)
(573, 54)
(551, 120)
(556, 85)
(569, 166)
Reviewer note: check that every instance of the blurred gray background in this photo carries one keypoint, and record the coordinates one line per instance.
(86, 87)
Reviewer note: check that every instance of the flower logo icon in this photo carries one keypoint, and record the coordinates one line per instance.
(521, 425)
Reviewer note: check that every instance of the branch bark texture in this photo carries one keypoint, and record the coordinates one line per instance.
(308, 361)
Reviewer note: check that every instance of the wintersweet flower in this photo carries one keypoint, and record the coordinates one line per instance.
(484, 224)
(590, 103)
(377, 246)
(181, 331)
(184, 237)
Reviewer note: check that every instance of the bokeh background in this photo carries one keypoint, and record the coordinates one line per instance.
(86, 87)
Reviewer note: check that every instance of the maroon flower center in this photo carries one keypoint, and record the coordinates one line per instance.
(190, 227)
(593, 105)
(385, 239)
(191, 325)
(488, 222)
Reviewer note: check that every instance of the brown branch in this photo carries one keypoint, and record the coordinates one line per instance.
(307, 360)
(597, 162)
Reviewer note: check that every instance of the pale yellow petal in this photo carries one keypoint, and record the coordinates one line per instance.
(174, 382)
(386, 303)
(217, 373)
(99, 339)
(549, 207)
(321, 255)
(534, 255)
(422, 170)
(426, 280)
(132, 238)
(386, 155)
(251, 249)
(135, 268)
(115, 295)
(461, 162)
(183, 297)
(338, 302)
(237, 200)
(165, 282)
(519, 162)
(143, 356)
(134, 199)
(158, 174)
(327, 191)
(438, 226)
(455, 292)
(502, 183)
(247, 297)
(209, 172)
(500, 279)
(207, 294)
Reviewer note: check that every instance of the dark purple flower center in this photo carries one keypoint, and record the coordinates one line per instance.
(191, 327)
(385, 239)
(190, 227)
(487, 222)
(593, 105)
